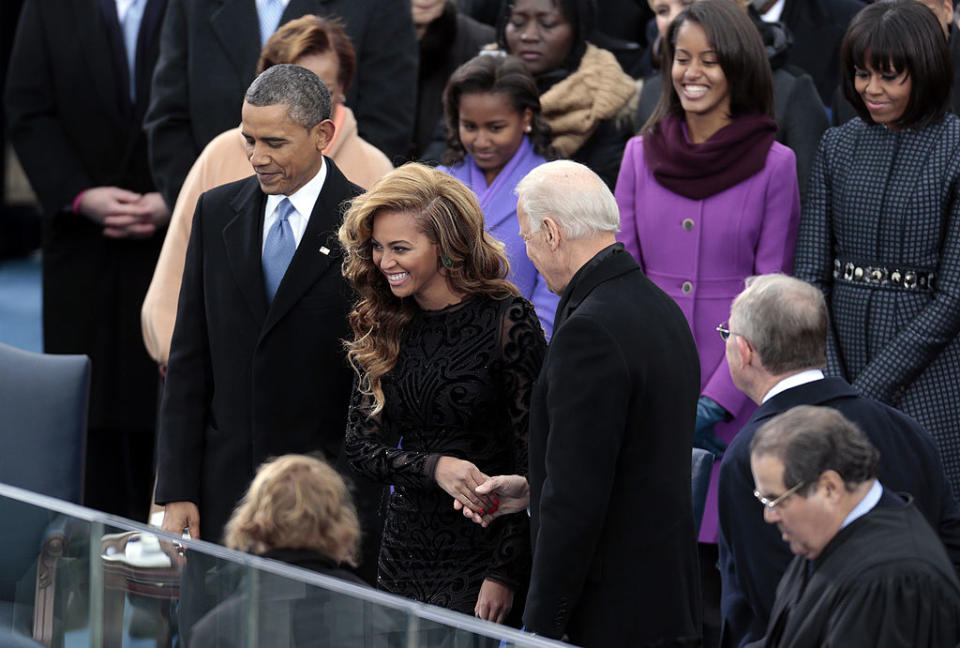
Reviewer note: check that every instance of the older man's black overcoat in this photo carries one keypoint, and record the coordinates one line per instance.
(611, 429)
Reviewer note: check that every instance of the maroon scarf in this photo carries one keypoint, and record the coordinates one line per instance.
(697, 171)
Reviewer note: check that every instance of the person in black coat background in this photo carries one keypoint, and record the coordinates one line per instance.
(208, 57)
(817, 27)
(777, 345)
(611, 431)
(448, 39)
(75, 122)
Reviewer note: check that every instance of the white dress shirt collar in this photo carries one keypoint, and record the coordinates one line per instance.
(795, 380)
(772, 14)
(303, 201)
(866, 504)
(260, 3)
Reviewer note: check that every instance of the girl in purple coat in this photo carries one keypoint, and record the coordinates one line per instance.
(708, 198)
(495, 136)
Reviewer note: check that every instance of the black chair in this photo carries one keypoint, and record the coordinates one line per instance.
(701, 467)
(43, 427)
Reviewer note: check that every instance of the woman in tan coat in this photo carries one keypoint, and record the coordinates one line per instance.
(318, 44)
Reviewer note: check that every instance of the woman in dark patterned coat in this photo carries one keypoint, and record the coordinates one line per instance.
(447, 354)
(880, 232)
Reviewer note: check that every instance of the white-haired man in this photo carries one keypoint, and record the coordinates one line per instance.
(611, 428)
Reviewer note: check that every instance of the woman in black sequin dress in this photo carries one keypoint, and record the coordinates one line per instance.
(447, 354)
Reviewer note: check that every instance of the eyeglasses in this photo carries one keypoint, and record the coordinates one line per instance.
(775, 502)
(724, 332)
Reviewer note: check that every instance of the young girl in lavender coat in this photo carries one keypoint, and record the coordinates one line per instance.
(495, 136)
(708, 198)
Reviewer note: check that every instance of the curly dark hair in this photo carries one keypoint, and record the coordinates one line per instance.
(448, 213)
(494, 72)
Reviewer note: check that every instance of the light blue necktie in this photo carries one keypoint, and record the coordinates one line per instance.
(270, 12)
(130, 25)
(278, 249)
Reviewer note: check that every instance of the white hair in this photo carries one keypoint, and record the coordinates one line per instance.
(572, 195)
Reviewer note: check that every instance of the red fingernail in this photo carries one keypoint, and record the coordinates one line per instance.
(496, 501)
(482, 511)
(494, 509)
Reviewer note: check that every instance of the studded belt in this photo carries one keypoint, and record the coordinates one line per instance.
(870, 275)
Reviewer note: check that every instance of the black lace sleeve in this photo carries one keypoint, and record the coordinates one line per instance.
(522, 350)
(373, 452)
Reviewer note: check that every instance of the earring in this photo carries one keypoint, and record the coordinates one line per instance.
(528, 128)
(447, 261)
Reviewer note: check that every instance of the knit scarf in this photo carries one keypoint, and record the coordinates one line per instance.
(598, 90)
(697, 171)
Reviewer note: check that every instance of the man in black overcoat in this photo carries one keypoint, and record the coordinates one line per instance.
(817, 27)
(77, 89)
(208, 57)
(868, 570)
(776, 349)
(611, 432)
(253, 375)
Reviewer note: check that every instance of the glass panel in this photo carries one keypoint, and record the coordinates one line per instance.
(73, 577)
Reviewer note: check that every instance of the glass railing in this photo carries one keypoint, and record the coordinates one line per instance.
(71, 576)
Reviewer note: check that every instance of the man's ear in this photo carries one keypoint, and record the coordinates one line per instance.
(552, 232)
(745, 351)
(323, 133)
(832, 484)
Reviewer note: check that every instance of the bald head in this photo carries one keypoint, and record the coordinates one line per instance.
(573, 196)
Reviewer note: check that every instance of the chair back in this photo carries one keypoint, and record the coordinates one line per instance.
(700, 469)
(43, 421)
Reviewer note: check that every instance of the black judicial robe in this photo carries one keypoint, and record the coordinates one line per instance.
(884, 580)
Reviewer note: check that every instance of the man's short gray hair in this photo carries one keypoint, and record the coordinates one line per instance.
(307, 97)
(786, 321)
(809, 440)
(572, 195)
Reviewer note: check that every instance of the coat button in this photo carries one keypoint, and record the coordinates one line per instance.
(687, 287)
(688, 224)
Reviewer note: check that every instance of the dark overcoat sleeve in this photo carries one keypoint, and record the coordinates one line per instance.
(588, 419)
(34, 113)
(803, 121)
(386, 79)
(753, 557)
(172, 146)
(189, 384)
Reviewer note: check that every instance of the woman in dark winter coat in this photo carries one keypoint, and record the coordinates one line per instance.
(587, 98)
(880, 232)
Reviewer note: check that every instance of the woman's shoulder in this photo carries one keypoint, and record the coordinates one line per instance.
(781, 155)
(513, 308)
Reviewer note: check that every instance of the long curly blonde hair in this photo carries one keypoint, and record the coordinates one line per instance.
(296, 502)
(472, 261)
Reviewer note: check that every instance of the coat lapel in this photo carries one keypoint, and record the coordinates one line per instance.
(242, 238)
(237, 28)
(318, 252)
(92, 29)
(811, 393)
(580, 286)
